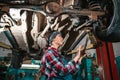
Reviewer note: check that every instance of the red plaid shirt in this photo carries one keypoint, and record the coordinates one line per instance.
(52, 64)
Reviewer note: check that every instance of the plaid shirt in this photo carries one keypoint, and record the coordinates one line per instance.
(52, 64)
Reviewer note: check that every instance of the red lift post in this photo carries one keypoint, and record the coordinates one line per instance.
(106, 60)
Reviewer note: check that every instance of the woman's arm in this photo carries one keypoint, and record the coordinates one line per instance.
(59, 67)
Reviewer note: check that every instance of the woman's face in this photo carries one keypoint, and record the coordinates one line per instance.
(58, 40)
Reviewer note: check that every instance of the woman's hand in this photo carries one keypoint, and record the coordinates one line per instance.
(81, 54)
(80, 59)
(78, 54)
